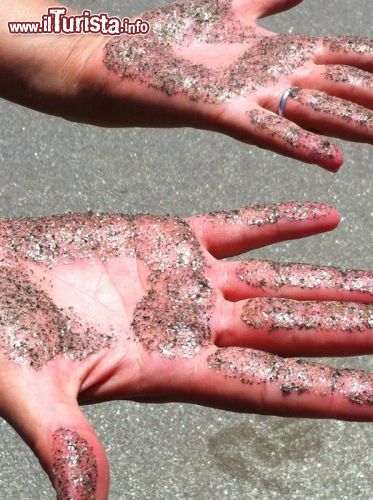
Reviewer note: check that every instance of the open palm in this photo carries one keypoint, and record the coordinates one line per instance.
(98, 307)
(206, 63)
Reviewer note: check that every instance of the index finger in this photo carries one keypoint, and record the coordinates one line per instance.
(230, 233)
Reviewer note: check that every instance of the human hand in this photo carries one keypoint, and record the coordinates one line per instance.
(206, 64)
(100, 307)
(215, 64)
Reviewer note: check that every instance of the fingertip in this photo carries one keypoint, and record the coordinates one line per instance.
(333, 160)
(78, 453)
(334, 217)
(271, 7)
(317, 218)
(331, 217)
(337, 160)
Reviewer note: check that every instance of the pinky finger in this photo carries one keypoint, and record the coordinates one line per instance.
(280, 135)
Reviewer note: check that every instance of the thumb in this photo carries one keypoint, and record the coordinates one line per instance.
(67, 448)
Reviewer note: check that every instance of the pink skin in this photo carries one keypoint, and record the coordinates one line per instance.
(252, 68)
(140, 308)
(74, 466)
(205, 64)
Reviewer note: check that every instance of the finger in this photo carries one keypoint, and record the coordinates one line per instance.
(269, 7)
(66, 445)
(230, 233)
(271, 131)
(301, 328)
(350, 50)
(259, 278)
(330, 115)
(349, 83)
(254, 381)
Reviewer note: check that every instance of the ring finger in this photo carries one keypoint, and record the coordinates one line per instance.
(315, 110)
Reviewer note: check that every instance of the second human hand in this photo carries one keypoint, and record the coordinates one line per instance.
(211, 61)
(97, 307)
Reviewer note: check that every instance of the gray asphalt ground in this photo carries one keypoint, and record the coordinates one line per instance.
(175, 451)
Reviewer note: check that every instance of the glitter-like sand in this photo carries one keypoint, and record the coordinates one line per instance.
(174, 452)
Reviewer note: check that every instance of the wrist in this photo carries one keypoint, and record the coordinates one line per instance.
(40, 71)
(66, 75)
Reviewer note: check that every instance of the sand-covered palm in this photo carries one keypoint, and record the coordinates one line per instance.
(204, 64)
(207, 63)
(99, 307)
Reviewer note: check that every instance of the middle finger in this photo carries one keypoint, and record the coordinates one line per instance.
(258, 278)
